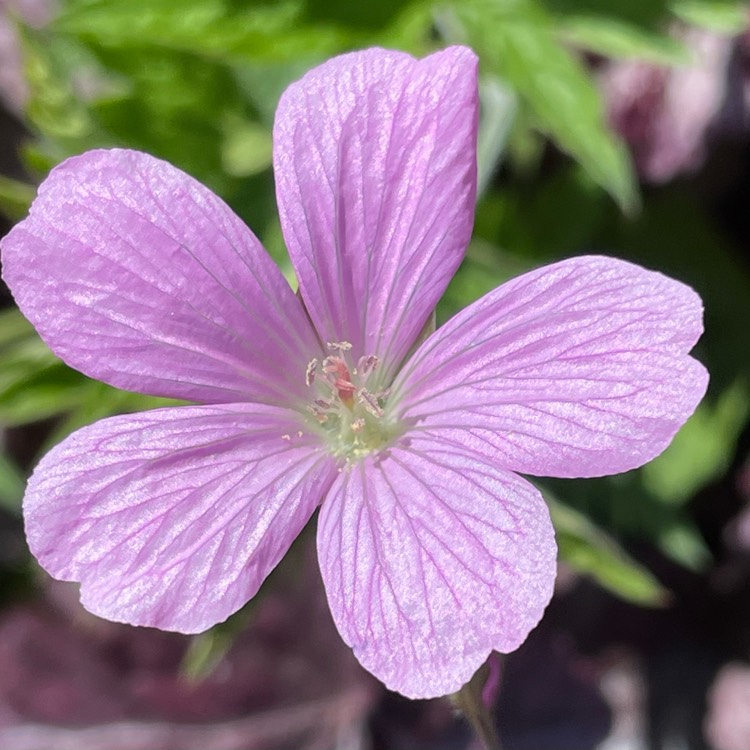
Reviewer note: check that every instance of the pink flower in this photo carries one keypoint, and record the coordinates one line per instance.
(433, 551)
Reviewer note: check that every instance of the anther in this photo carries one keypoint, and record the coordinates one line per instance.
(369, 402)
(350, 415)
(341, 346)
(312, 366)
(367, 364)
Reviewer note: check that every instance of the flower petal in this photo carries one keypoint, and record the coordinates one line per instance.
(173, 518)
(573, 370)
(432, 557)
(136, 274)
(375, 159)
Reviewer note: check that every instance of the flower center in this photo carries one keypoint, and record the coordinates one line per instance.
(348, 406)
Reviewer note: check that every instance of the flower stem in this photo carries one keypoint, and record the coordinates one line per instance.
(469, 701)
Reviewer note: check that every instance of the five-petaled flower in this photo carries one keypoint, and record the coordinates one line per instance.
(432, 550)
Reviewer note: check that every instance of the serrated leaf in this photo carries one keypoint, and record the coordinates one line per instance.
(517, 41)
(589, 550)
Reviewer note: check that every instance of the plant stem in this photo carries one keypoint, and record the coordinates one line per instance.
(468, 700)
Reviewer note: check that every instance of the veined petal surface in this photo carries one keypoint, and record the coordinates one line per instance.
(173, 518)
(375, 163)
(138, 275)
(577, 369)
(432, 557)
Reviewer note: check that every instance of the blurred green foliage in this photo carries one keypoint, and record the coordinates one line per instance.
(196, 82)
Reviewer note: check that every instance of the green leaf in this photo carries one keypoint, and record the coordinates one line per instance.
(702, 450)
(683, 543)
(32, 379)
(637, 28)
(555, 216)
(612, 37)
(11, 485)
(412, 30)
(643, 13)
(246, 148)
(262, 83)
(499, 107)
(677, 235)
(40, 393)
(220, 29)
(173, 105)
(13, 327)
(53, 106)
(206, 650)
(517, 41)
(589, 550)
(727, 16)
(346, 13)
(484, 268)
(36, 385)
(98, 400)
(15, 197)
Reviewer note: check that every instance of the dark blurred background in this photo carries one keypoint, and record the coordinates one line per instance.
(608, 127)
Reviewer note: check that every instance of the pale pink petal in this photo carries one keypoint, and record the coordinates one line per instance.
(577, 369)
(375, 159)
(432, 557)
(173, 518)
(136, 274)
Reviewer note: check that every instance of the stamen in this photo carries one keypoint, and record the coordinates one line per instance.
(340, 346)
(312, 366)
(370, 402)
(348, 408)
(367, 364)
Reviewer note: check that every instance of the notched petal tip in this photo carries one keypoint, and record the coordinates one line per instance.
(432, 558)
(375, 165)
(173, 518)
(577, 369)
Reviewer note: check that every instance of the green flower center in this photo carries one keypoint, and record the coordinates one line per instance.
(349, 405)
